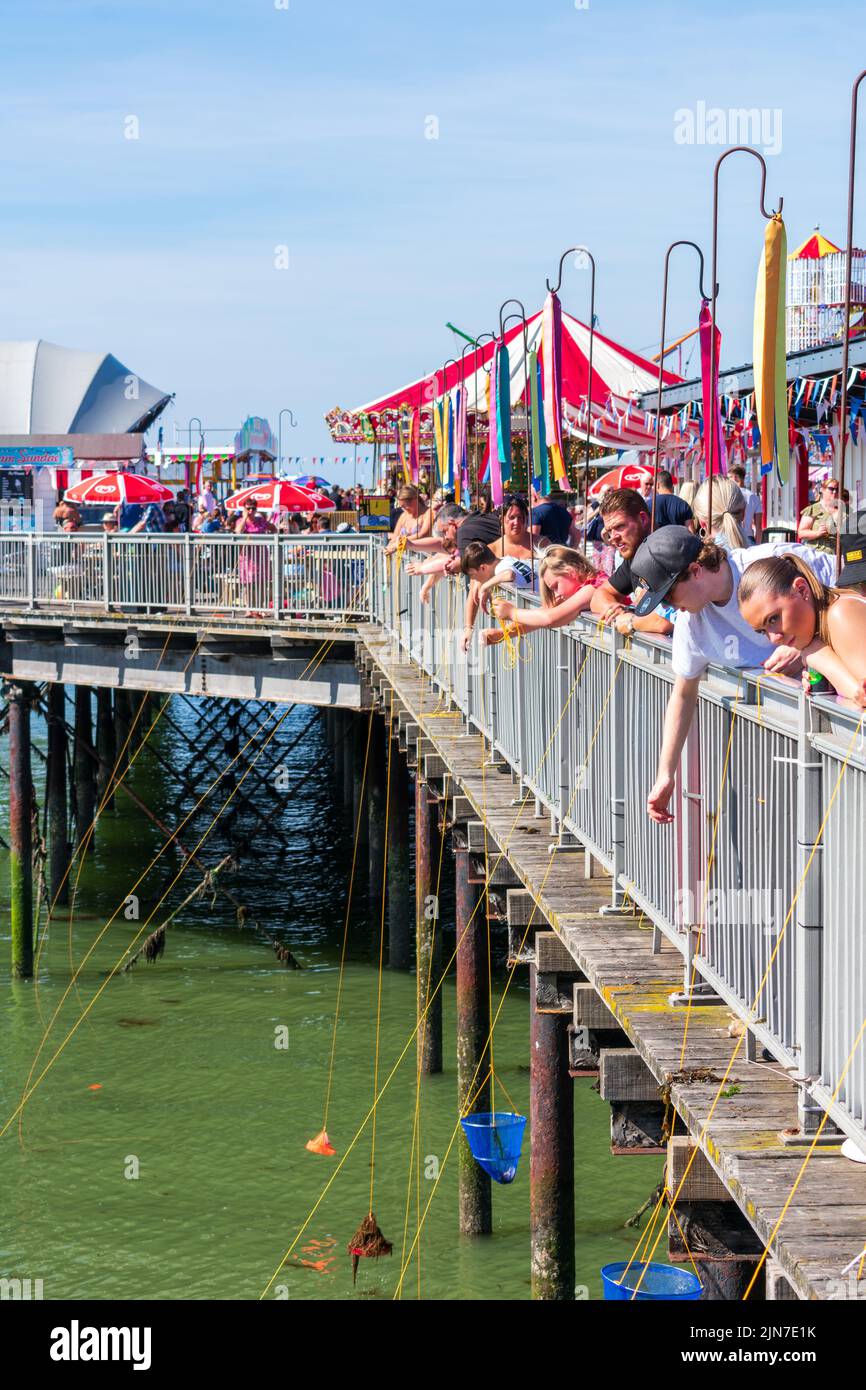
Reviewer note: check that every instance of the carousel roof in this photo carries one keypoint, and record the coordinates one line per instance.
(618, 375)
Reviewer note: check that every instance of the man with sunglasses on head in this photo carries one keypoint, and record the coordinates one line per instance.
(820, 522)
(626, 523)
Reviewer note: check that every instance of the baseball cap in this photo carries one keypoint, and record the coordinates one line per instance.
(660, 560)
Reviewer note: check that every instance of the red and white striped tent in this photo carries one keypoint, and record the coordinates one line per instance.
(618, 377)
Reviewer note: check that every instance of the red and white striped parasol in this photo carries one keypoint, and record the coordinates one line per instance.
(107, 489)
(629, 475)
(278, 494)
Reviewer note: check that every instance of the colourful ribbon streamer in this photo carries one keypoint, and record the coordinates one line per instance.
(551, 352)
(771, 396)
(496, 491)
(461, 450)
(712, 414)
(503, 411)
(540, 463)
(414, 429)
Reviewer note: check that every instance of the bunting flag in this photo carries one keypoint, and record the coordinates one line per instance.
(769, 350)
(540, 463)
(712, 416)
(496, 491)
(503, 411)
(551, 351)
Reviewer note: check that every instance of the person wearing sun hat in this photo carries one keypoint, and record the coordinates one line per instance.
(700, 580)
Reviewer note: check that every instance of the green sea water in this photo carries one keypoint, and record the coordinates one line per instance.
(205, 1073)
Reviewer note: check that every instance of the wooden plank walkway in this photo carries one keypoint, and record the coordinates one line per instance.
(825, 1226)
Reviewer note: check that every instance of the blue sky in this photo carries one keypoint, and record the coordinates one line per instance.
(305, 127)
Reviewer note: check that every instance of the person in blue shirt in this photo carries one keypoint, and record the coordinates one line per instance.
(670, 510)
(551, 520)
(152, 521)
(128, 515)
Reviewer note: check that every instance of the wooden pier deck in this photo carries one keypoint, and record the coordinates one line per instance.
(825, 1225)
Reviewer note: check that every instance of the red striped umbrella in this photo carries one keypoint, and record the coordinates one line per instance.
(277, 493)
(107, 489)
(627, 475)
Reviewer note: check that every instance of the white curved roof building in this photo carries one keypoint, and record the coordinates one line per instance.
(46, 389)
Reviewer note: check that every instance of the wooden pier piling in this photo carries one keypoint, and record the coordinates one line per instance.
(551, 1161)
(106, 746)
(58, 826)
(20, 830)
(473, 1031)
(84, 768)
(377, 790)
(399, 865)
(359, 785)
(121, 729)
(428, 935)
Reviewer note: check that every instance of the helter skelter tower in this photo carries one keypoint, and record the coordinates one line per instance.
(816, 293)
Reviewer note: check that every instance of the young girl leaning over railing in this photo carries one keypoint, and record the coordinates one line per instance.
(566, 581)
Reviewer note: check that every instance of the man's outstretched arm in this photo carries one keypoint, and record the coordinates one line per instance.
(678, 721)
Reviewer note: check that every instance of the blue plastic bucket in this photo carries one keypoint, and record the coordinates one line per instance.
(495, 1139)
(659, 1282)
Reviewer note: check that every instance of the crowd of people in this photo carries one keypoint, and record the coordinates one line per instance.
(689, 565)
(204, 516)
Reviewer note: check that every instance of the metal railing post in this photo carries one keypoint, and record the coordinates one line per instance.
(618, 738)
(106, 571)
(808, 919)
(31, 571)
(564, 752)
(187, 584)
(688, 826)
(278, 575)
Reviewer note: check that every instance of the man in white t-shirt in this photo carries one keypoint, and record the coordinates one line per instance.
(709, 627)
(753, 516)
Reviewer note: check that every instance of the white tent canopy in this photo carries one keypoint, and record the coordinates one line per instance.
(46, 389)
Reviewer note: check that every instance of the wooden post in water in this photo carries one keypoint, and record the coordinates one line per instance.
(359, 789)
(428, 935)
(551, 1156)
(20, 830)
(473, 1031)
(339, 746)
(121, 729)
(58, 836)
(376, 794)
(399, 883)
(349, 722)
(106, 747)
(84, 768)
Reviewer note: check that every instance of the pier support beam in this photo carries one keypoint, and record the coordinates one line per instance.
(551, 1161)
(473, 1032)
(428, 936)
(84, 768)
(20, 830)
(359, 780)
(106, 746)
(121, 729)
(339, 746)
(377, 790)
(399, 883)
(58, 836)
(349, 721)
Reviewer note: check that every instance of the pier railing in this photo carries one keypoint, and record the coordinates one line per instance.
(280, 576)
(760, 882)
